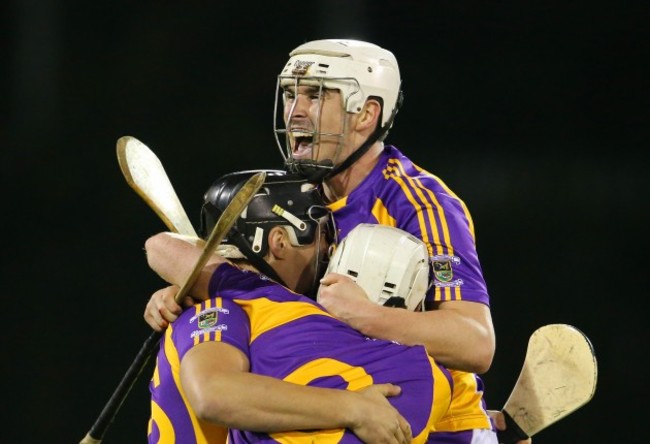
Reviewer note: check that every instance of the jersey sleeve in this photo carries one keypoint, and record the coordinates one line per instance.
(214, 320)
(443, 222)
(422, 204)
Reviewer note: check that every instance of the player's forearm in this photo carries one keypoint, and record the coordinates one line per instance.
(456, 339)
(258, 403)
(458, 334)
(173, 257)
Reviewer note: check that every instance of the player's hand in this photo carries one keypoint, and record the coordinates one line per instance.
(345, 300)
(376, 420)
(500, 423)
(162, 308)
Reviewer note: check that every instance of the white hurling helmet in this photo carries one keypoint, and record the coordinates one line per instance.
(358, 69)
(390, 264)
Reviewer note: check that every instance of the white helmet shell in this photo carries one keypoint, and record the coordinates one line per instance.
(386, 262)
(359, 69)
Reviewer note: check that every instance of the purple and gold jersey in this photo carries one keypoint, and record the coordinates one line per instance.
(290, 337)
(400, 194)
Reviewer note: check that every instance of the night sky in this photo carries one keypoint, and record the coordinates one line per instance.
(534, 113)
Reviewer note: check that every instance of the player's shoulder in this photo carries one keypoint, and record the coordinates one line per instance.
(403, 175)
(393, 156)
(398, 165)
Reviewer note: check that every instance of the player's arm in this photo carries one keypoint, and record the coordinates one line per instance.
(458, 334)
(462, 325)
(172, 257)
(220, 389)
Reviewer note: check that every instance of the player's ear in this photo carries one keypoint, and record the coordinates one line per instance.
(278, 242)
(369, 115)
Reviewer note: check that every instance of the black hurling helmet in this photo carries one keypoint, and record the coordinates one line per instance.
(283, 200)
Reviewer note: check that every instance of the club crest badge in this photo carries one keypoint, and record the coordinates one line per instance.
(207, 319)
(442, 270)
(301, 67)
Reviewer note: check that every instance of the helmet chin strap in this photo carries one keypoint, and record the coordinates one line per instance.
(255, 259)
(379, 134)
(356, 155)
(312, 170)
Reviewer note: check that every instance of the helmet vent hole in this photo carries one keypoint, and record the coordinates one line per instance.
(353, 273)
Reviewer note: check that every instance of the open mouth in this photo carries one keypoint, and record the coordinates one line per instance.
(302, 144)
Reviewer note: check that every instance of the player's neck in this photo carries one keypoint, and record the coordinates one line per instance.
(345, 182)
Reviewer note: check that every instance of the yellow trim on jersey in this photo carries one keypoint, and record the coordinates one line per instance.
(205, 336)
(175, 363)
(380, 213)
(466, 411)
(329, 436)
(165, 427)
(155, 379)
(338, 204)
(455, 196)
(396, 173)
(356, 377)
(203, 431)
(442, 395)
(262, 322)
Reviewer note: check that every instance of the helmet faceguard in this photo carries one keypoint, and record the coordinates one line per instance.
(390, 264)
(359, 70)
(284, 200)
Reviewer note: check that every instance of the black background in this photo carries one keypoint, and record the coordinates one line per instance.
(535, 113)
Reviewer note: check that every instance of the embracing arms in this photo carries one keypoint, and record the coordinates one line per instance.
(458, 334)
(220, 389)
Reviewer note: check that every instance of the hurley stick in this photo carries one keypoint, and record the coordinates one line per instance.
(558, 377)
(220, 230)
(144, 173)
